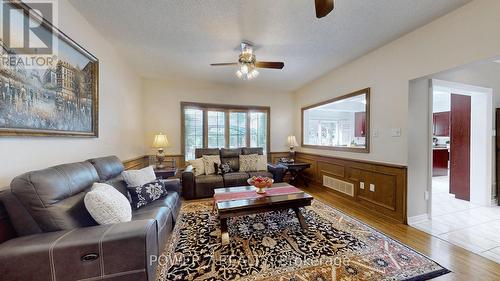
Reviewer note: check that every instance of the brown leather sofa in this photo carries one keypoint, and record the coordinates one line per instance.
(202, 186)
(57, 239)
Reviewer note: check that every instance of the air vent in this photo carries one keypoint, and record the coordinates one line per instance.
(339, 185)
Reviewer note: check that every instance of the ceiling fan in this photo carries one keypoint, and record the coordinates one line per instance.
(247, 64)
(323, 7)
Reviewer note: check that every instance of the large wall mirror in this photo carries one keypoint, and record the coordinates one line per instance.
(341, 123)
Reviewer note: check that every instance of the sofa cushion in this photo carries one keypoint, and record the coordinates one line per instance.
(252, 150)
(163, 218)
(232, 156)
(107, 167)
(107, 205)
(54, 196)
(171, 201)
(147, 193)
(199, 152)
(236, 179)
(119, 184)
(261, 174)
(212, 180)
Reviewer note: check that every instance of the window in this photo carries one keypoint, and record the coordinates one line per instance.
(193, 131)
(216, 129)
(237, 129)
(218, 126)
(258, 129)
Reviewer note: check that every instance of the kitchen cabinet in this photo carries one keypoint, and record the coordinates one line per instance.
(440, 157)
(441, 122)
(360, 124)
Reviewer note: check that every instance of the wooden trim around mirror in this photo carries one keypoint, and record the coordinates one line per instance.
(366, 149)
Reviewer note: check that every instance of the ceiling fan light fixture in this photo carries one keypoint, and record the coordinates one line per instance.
(247, 71)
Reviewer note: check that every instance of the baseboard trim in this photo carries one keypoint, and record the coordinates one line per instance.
(418, 219)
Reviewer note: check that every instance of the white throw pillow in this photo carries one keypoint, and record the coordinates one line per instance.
(248, 163)
(209, 161)
(140, 177)
(262, 163)
(198, 166)
(107, 205)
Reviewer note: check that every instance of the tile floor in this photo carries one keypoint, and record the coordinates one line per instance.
(473, 227)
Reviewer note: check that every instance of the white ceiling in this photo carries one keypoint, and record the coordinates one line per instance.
(177, 39)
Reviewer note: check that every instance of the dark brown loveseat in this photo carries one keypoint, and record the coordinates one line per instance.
(59, 240)
(202, 186)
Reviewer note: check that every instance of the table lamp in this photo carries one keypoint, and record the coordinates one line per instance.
(160, 143)
(292, 142)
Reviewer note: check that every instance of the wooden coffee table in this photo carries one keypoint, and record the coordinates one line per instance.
(242, 207)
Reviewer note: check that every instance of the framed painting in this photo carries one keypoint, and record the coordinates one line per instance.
(50, 89)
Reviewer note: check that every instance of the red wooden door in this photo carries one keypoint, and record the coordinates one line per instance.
(460, 146)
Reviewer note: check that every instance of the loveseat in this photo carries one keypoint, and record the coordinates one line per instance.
(202, 186)
(57, 239)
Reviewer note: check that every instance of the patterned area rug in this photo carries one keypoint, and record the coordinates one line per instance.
(272, 246)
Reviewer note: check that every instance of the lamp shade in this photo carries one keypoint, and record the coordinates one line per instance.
(160, 141)
(292, 141)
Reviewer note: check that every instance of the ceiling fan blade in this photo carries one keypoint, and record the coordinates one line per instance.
(323, 7)
(270, 64)
(224, 64)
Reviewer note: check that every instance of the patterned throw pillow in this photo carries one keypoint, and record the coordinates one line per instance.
(224, 168)
(147, 193)
(209, 161)
(248, 163)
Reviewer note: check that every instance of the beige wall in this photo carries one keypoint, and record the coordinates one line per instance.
(461, 37)
(120, 113)
(162, 100)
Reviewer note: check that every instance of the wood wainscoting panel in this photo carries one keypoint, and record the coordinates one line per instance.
(311, 173)
(136, 163)
(378, 187)
(274, 157)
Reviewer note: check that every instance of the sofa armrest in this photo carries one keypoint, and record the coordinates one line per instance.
(173, 185)
(188, 183)
(103, 252)
(278, 172)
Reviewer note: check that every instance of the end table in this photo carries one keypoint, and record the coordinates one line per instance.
(296, 171)
(165, 173)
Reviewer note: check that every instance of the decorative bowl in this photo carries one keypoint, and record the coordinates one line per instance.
(260, 183)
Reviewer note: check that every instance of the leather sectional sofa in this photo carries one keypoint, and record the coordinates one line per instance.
(202, 186)
(59, 240)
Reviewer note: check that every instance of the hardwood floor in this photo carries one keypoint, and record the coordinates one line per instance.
(464, 265)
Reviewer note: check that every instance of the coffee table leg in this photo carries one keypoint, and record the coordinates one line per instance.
(224, 234)
(302, 221)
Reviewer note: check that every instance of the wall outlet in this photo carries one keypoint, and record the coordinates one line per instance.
(372, 187)
(375, 133)
(426, 195)
(362, 185)
(396, 132)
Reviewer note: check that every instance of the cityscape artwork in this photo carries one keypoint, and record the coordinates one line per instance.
(48, 95)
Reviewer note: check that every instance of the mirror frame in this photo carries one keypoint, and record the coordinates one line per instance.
(366, 149)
